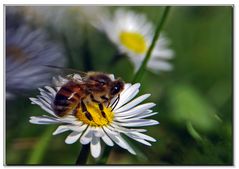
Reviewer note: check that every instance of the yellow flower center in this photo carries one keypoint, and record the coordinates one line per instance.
(94, 116)
(133, 41)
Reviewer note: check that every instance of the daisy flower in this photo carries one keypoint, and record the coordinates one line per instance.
(132, 34)
(27, 51)
(124, 120)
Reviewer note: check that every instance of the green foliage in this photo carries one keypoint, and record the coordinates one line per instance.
(41, 146)
(189, 107)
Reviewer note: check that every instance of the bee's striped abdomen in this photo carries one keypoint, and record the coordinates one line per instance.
(67, 98)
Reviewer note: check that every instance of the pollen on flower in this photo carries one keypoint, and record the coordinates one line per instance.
(94, 116)
(133, 41)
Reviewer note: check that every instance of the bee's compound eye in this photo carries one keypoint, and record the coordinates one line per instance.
(115, 89)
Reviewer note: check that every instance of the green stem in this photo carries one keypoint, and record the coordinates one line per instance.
(83, 156)
(41, 147)
(140, 72)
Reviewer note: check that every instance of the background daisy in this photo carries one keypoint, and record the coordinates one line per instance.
(28, 51)
(132, 33)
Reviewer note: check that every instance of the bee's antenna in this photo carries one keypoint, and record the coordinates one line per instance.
(56, 67)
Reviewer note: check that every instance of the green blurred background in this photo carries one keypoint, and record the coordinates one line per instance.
(194, 100)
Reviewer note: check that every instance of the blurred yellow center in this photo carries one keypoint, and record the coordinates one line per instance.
(133, 41)
(16, 53)
(94, 116)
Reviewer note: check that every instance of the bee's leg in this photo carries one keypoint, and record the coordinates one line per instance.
(102, 110)
(93, 99)
(104, 97)
(76, 109)
(84, 109)
(101, 107)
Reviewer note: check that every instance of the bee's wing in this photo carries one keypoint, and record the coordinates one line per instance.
(67, 74)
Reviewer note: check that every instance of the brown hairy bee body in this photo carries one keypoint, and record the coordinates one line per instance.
(95, 87)
(68, 97)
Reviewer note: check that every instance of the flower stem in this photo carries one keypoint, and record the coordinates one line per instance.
(83, 156)
(139, 74)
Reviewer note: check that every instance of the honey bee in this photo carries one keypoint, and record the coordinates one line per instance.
(94, 87)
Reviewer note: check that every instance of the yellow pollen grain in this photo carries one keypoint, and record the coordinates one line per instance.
(98, 119)
(133, 41)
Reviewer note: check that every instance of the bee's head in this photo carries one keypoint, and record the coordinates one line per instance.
(105, 87)
(99, 82)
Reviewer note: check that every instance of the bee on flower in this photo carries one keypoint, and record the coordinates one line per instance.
(94, 107)
(132, 34)
(27, 51)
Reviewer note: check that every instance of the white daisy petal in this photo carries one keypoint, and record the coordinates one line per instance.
(108, 131)
(119, 140)
(51, 90)
(141, 136)
(111, 76)
(157, 65)
(43, 120)
(128, 95)
(73, 137)
(107, 140)
(139, 140)
(138, 116)
(134, 111)
(77, 128)
(145, 115)
(135, 115)
(42, 105)
(142, 141)
(104, 137)
(116, 127)
(98, 132)
(48, 97)
(133, 103)
(95, 147)
(163, 54)
(61, 129)
(44, 102)
(138, 123)
(87, 136)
